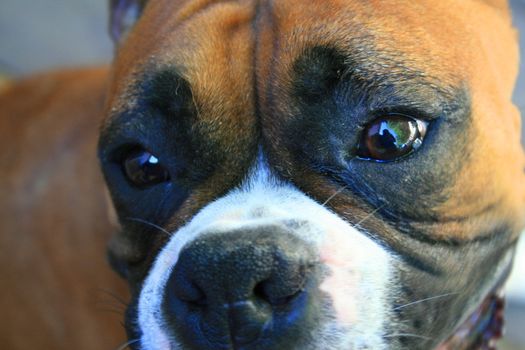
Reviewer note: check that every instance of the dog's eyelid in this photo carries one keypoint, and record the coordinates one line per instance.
(416, 97)
(415, 111)
(121, 135)
(118, 154)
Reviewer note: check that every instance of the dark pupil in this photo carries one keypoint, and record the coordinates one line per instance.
(389, 138)
(143, 168)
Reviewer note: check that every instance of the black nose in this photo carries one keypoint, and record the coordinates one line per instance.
(230, 290)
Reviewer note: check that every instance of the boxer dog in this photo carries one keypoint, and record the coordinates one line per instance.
(307, 175)
(313, 174)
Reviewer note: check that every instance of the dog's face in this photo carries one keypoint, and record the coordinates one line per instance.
(312, 174)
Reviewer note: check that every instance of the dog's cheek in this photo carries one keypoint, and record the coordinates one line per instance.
(359, 281)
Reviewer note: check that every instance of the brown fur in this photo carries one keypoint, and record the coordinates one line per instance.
(54, 225)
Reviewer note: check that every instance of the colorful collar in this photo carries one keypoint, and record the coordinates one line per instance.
(482, 329)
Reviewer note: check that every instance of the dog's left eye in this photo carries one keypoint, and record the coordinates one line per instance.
(143, 169)
(391, 137)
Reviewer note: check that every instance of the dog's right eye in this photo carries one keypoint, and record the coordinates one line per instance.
(143, 169)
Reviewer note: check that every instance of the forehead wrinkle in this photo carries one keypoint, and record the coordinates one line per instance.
(127, 89)
(193, 8)
(368, 43)
(411, 87)
(366, 58)
(375, 80)
(166, 34)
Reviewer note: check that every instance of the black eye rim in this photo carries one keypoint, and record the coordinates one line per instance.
(422, 121)
(129, 151)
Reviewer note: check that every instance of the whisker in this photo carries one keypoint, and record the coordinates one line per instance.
(128, 343)
(142, 221)
(111, 311)
(370, 215)
(113, 296)
(341, 189)
(111, 304)
(426, 299)
(409, 335)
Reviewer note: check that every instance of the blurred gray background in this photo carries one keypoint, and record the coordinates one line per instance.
(37, 35)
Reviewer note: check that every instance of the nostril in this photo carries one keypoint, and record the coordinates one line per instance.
(260, 292)
(192, 295)
(282, 301)
(277, 296)
(185, 290)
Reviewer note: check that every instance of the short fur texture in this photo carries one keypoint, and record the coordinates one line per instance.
(212, 85)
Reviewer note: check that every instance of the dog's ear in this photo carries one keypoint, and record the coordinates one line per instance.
(123, 15)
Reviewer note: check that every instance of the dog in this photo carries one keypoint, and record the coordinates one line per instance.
(309, 175)
(56, 284)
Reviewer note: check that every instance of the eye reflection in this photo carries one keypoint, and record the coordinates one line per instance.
(391, 137)
(143, 169)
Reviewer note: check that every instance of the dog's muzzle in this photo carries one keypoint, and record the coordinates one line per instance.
(231, 289)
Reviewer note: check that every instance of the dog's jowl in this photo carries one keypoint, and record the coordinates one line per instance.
(300, 175)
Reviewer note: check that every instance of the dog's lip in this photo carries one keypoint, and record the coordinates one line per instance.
(481, 329)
